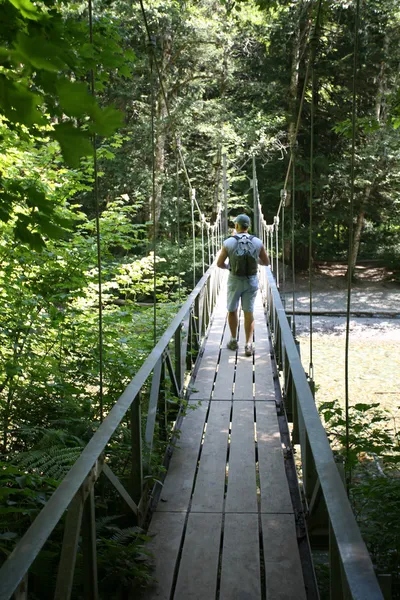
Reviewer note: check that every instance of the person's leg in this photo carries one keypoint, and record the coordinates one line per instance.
(233, 323)
(234, 292)
(248, 299)
(248, 326)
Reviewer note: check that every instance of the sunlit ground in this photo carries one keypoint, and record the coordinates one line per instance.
(374, 360)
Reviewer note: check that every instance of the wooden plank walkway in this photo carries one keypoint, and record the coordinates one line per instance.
(224, 527)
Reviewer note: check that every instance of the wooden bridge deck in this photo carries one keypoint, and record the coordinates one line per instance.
(224, 527)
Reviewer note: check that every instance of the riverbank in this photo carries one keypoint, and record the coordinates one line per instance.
(374, 353)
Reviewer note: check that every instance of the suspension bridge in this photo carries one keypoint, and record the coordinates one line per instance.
(229, 520)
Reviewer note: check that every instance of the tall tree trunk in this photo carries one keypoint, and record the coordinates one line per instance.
(357, 232)
(380, 103)
(161, 134)
(294, 83)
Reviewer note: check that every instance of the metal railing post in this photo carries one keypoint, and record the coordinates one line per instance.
(136, 449)
(179, 374)
(89, 548)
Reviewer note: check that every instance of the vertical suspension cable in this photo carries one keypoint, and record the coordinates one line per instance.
(178, 217)
(153, 199)
(293, 255)
(351, 216)
(202, 243)
(313, 43)
(193, 240)
(310, 228)
(271, 246)
(208, 245)
(276, 220)
(98, 237)
(283, 251)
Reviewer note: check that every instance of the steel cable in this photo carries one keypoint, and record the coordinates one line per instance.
(351, 216)
(98, 236)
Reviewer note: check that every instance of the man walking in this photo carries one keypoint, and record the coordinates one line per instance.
(245, 253)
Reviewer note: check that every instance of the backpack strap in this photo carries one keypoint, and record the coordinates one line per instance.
(250, 237)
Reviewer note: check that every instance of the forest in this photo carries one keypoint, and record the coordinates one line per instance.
(110, 114)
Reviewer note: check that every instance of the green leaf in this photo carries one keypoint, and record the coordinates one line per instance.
(106, 121)
(32, 239)
(35, 198)
(75, 98)
(40, 53)
(27, 9)
(361, 407)
(18, 103)
(74, 143)
(50, 229)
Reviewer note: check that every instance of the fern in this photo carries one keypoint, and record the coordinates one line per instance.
(54, 462)
(54, 453)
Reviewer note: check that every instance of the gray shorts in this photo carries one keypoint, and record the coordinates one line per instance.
(244, 289)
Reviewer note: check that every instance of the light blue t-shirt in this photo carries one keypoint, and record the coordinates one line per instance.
(230, 244)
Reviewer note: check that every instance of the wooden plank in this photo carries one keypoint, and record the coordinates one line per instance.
(166, 529)
(283, 572)
(227, 336)
(242, 487)
(275, 495)
(178, 484)
(240, 573)
(264, 385)
(263, 376)
(224, 379)
(198, 570)
(210, 484)
(243, 389)
(202, 385)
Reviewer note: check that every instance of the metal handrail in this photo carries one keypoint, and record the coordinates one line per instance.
(81, 477)
(355, 570)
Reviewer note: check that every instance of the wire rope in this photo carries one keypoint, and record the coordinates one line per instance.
(208, 246)
(311, 190)
(193, 238)
(153, 199)
(276, 222)
(98, 234)
(178, 220)
(202, 245)
(293, 253)
(351, 217)
(283, 251)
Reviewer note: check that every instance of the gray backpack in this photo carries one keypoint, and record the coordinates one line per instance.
(244, 258)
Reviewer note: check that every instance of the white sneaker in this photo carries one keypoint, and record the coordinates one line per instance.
(248, 349)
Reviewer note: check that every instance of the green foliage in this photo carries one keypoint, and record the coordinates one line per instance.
(46, 58)
(228, 71)
(22, 496)
(368, 432)
(374, 461)
(124, 561)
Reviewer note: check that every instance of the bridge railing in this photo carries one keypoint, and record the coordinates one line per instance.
(351, 570)
(75, 494)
